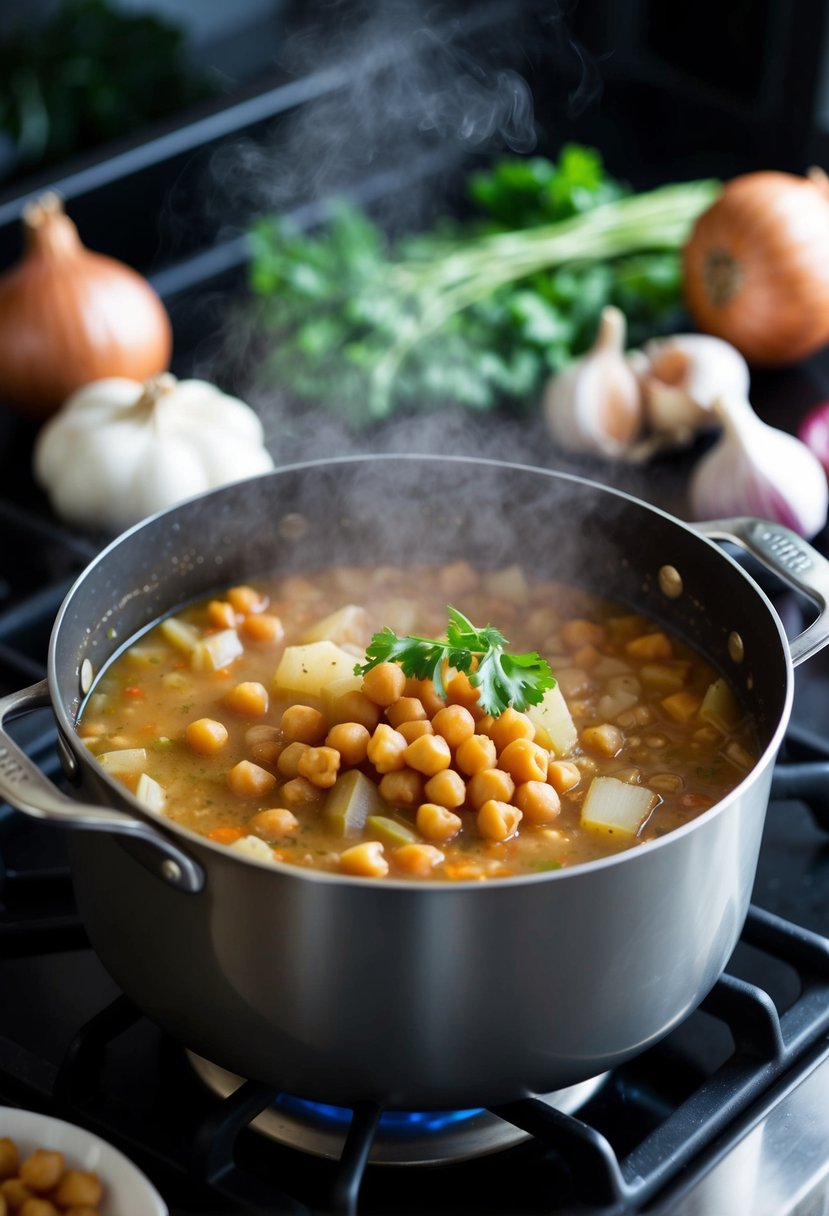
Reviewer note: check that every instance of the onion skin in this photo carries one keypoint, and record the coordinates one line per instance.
(69, 316)
(756, 267)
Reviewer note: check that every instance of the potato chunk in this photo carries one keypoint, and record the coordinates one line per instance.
(310, 668)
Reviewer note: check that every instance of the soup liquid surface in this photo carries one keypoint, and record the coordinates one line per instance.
(197, 721)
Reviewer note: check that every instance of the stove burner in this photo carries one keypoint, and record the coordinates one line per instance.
(399, 1122)
(403, 1137)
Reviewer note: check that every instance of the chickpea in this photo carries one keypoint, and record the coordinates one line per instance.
(356, 707)
(604, 740)
(525, 760)
(365, 860)
(403, 787)
(247, 599)
(266, 753)
(386, 749)
(563, 775)
(263, 627)
(578, 633)
(9, 1158)
(461, 691)
(42, 1169)
(249, 698)
(510, 726)
(289, 758)
(249, 780)
(455, 723)
(384, 683)
(475, 753)
(206, 736)
(537, 801)
(221, 614)
(487, 784)
(446, 788)
(14, 1193)
(320, 765)
(37, 1207)
(406, 709)
(77, 1188)
(273, 824)
(413, 730)
(426, 693)
(302, 724)
(299, 791)
(437, 822)
(429, 754)
(498, 820)
(351, 740)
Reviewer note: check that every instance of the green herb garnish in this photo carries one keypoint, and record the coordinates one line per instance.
(502, 679)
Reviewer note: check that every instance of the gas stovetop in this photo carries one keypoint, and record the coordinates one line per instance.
(729, 1113)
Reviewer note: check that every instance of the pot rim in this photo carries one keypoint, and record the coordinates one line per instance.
(300, 873)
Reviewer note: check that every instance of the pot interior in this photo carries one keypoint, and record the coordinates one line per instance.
(396, 509)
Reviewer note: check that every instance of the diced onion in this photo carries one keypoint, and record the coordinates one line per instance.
(216, 651)
(124, 760)
(719, 707)
(151, 794)
(179, 634)
(615, 807)
(553, 717)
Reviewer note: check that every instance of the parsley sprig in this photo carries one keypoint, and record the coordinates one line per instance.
(502, 679)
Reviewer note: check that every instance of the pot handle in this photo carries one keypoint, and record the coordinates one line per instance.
(25, 787)
(793, 560)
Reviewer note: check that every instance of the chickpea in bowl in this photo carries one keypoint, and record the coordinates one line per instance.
(52, 1168)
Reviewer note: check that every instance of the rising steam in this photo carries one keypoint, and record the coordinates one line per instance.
(422, 93)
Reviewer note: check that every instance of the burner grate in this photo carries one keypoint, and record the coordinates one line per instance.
(768, 1045)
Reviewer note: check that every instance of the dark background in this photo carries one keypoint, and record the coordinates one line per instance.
(294, 103)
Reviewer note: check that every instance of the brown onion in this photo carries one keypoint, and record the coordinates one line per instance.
(756, 266)
(69, 316)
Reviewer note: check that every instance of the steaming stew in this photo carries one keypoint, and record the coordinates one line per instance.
(241, 718)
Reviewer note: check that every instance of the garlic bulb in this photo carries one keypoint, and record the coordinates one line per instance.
(681, 377)
(120, 450)
(594, 406)
(755, 469)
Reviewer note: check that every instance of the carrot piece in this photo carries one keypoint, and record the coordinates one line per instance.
(225, 835)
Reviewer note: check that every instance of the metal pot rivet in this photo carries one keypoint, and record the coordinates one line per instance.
(292, 526)
(171, 870)
(87, 676)
(736, 649)
(670, 582)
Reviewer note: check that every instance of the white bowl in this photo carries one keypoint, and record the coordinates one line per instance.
(125, 1188)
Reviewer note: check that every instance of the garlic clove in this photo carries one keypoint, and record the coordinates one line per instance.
(755, 469)
(594, 406)
(681, 378)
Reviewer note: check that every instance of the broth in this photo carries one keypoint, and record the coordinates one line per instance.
(241, 718)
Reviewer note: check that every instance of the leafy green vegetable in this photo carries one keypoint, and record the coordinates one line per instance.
(90, 73)
(502, 679)
(477, 314)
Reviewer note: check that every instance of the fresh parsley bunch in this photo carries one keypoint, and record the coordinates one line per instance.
(477, 314)
(501, 679)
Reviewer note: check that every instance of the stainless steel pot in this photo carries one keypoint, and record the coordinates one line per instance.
(343, 989)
